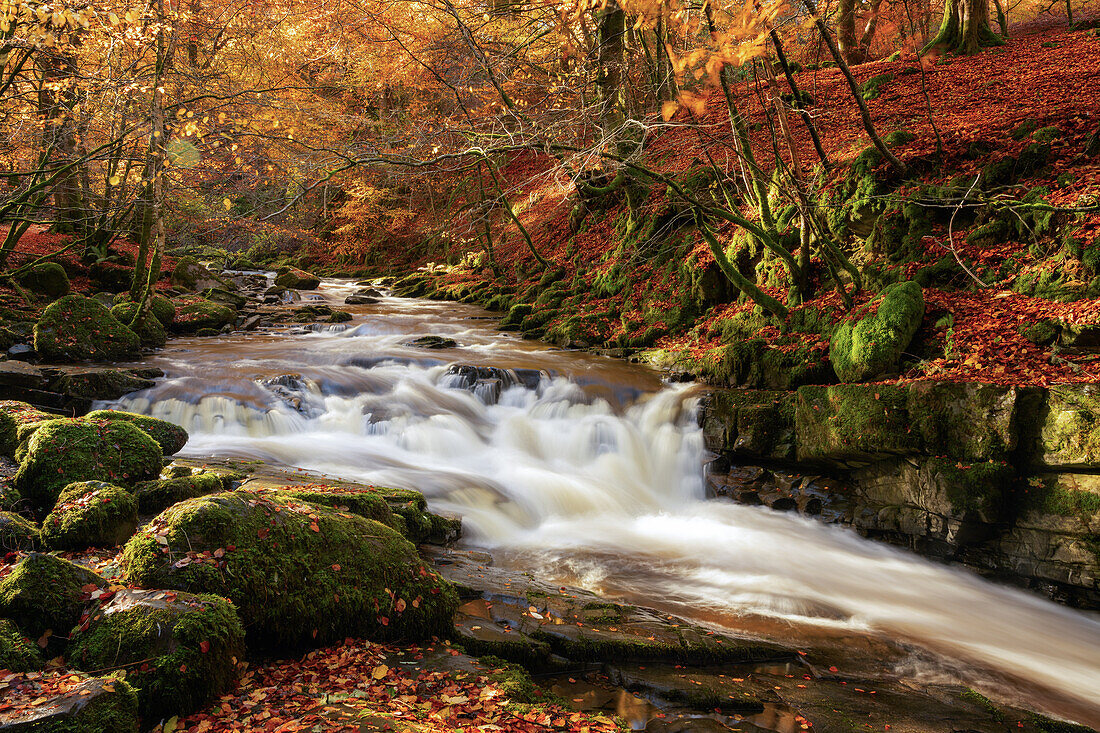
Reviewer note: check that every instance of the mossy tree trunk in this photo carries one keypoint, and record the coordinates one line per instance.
(611, 21)
(965, 28)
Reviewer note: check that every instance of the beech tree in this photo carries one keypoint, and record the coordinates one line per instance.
(965, 28)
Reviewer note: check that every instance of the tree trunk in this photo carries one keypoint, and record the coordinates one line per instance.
(846, 33)
(609, 86)
(965, 28)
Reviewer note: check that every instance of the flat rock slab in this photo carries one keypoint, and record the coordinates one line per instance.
(70, 389)
(78, 708)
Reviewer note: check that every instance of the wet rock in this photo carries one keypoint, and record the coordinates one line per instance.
(94, 705)
(339, 317)
(225, 297)
(308, 313)
(90, 513)
(295, 279)
(755, 423)
(17, 652)
(75, 328)
(17, 533)
(852, 424)
(190, 274)
(69, 450)
(181, 650)
(44, 593)
(22, 352)
(251, 323)
(945, 417)
(99, 384)
(297, 572)
(489, 382)
(432, 342)
(155, 496)
(874, 344)
(171, 438)
(47, 279)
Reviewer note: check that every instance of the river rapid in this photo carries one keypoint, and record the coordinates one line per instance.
(589, 470)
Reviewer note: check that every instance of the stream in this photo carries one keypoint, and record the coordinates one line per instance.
(588, 470)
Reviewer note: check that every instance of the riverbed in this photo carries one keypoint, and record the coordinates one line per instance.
(588, 470)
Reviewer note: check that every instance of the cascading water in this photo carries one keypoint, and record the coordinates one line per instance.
(592, 474)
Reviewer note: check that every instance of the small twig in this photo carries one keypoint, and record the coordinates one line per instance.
(951, 235)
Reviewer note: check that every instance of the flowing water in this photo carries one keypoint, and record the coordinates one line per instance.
(589, 469)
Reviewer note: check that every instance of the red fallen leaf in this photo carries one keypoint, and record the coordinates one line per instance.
(314, 527)
(336, 567)
(183, 668)
(204, 646)
(400, 605)
(263, 533)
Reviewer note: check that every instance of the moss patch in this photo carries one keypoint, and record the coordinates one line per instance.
(45, 593)
(65, 451)
(297, 572)
(170, 437)
(17, 533)
(90, 513)
(17, 652)
(873, 345)
(155, 496)
(849, 422)
(194, 314)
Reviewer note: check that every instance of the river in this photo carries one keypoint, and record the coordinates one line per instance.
(590, 472)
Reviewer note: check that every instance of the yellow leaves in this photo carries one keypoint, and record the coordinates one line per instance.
(115, 180)
(668, 109)
(379, 672)
(227, 203)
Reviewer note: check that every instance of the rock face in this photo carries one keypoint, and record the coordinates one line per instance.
(170, 437)
(65, 451)
(75, 328)
(297, 572)
(17, 652)
(188, 647)
(86, 705)
(90, 513)
(292, 277)
(45, 593)
(48, 279)
(190, 274)
(1002, 479)
(873, 345)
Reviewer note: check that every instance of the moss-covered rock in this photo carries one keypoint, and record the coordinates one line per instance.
(297, 572)
(170, 437)
(9, 434)
(195, 314)
(161, 307)
(65, 451)
(75, 328)
(111, 276)
(967, 422)
(873, 345)
(23, 412)
(156, 496)
(47, 278)
(190, 274)
(851, 423)
(94, 705)
(17, 652)
(417, 523)
(754, 423)
(90, 513)
(45, 593)
(292, 277)
(181, 650)
(17, 532)
(221, 296)
(1069, 428)
(149, 329)
(101, 384)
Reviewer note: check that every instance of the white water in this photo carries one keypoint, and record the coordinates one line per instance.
(580, 485)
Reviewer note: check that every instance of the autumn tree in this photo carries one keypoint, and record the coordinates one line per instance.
(965, 28)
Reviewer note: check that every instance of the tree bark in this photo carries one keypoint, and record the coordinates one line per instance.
(965, 28)
(853, 52)
(609, 86)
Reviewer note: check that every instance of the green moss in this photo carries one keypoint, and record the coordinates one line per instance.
(75, 328)
(90, 513)
(870, 89)
(297, 572)
(45, 593)
(17, 533)
(339, 317)
(875, 343)
(513, 681)
(363, 502)
(171, 438)
(9, 434)
(974, 487)
(1047, 134)
(180, 651)
(1024, 129)
(974, 697)
(194, 314)
(155, 496)
(1046, 497)
(1049, 725)
(65, 451)
(161, 307)
(97, 705)
(1041, 333)
(850, 422)
(150, 330)
(292, 277)
(47, 278)
(17, 653)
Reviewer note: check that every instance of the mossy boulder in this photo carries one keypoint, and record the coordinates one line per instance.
(9, 434)
(196, 314)
(47, 278)
(190, 274)
(75, 328)
(292, 277)
(853, 424)
(181, 650)
(1068, 428)
(17, 533)
(156, 496)
(149, 329)
(65, 451)
(225, 297)
(161, 306)
(170, 437)
(417, 523)
(114, 277)
(45, 593)
(92, 705)
(90, 513)
(297, 572)
(873, 345)
(23, 412)
(17, 652)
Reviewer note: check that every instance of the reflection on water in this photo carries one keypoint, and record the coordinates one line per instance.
(589, 468)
